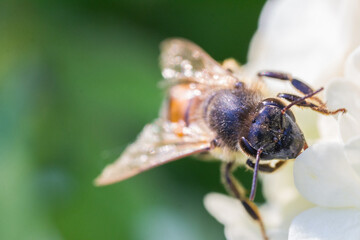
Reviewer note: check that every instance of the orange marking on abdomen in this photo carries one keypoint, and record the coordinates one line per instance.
(183, 98)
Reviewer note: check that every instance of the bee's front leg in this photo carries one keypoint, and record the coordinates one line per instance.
(296, 83)
(303, 103)
(235, 189)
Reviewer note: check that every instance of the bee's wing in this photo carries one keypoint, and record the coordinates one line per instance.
(157, 144)
(182, 60)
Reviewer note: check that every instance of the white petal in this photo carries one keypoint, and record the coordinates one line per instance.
(234, 232)
(349, 127)
(328, 128)
(344, 94)
(352, 66)
(283, 201)
(229, 211)
(239, 225)
(326, 224)
(352, 152)
(285, 190)
(323, 176)
(306, 120)
(310, 38)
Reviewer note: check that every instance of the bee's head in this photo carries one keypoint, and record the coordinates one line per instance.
(276, 133)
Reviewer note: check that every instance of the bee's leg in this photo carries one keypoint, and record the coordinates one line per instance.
(235, 189)
(265, 167)
(214, 143)
(299, 101)
(298, 84)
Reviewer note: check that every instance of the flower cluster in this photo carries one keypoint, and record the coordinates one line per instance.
(328, 173)
(318, 195)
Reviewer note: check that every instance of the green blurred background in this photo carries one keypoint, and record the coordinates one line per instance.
(78, 81)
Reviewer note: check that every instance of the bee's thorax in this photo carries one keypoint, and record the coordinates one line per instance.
(228, 112)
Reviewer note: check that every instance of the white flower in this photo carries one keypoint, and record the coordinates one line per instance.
(277, 213)
(328, 173)
(310, 39)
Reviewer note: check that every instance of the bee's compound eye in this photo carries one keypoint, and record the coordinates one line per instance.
(273, 102)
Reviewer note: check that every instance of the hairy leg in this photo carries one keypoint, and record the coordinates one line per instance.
(301, 102)
(235, 189)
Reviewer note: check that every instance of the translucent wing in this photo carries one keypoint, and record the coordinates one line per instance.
(182, 60)
(157, 144)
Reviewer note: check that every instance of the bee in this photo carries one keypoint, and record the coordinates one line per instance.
(208, 109)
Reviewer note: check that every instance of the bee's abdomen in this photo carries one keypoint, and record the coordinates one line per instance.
(183, 101)
(226, 112)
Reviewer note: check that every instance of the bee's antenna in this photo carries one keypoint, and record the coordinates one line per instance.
(283, 111)
(254, 180)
